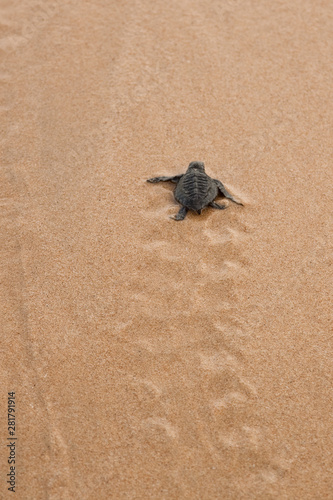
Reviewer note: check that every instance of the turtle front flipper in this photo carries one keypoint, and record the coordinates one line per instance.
(181, 214)
(216, 205)
(174, 178)
(225, 193)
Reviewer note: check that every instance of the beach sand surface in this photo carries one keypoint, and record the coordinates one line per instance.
(152, 358)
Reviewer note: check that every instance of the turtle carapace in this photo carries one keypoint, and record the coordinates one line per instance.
(195, 190)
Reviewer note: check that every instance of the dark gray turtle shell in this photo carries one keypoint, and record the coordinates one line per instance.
(195, 189)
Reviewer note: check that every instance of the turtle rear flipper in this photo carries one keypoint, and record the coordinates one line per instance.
(181, 214)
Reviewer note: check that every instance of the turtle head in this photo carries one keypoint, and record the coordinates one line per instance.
(197, 165)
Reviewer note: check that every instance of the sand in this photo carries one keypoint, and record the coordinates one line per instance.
(152, 358)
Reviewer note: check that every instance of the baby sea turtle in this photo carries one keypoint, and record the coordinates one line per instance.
(195, 190)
